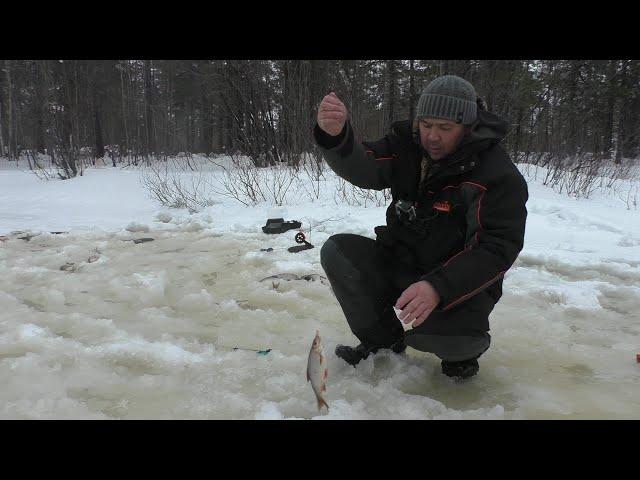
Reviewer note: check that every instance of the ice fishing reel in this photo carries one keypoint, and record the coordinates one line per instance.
(300, 238)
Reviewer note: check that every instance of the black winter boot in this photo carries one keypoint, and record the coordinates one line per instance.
(353, 355)
(463, 369)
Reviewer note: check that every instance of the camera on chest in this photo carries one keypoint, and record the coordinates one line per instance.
(406, 211)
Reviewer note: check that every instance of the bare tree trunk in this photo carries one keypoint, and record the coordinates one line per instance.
(10, 125)
(40, 107)
(97, 96)
(572, 106)
(611, 105)
(286, 113)
(49, 125)
(1, 136)
(171, 124)
(124, 115)
(98, 132)
(76, 118)
(191, 134)
(206, 125)
(516, 145)
(411, 90)
(621, 130)
(391, 97)
(148, 111)
(68, 150)
(226, 134)
(319, 84)
(294, 135)
(632, 122)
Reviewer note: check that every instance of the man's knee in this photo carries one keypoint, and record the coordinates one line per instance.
(330, 251)
(452, 348)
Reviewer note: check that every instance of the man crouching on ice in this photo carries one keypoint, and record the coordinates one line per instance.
(455, 225)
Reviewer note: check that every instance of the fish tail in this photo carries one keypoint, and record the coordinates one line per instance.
(322, 402)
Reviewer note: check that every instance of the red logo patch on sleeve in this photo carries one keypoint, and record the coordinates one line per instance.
(442, 206)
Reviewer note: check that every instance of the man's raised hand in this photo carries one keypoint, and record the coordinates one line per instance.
(332, 114)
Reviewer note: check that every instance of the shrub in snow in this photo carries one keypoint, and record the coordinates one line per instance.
(178, 183)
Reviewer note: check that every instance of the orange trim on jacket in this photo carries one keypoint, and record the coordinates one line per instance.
(472, 293)
(459, 253)
(379, 158)
(470, 247)
(466, 249)
(470, 183)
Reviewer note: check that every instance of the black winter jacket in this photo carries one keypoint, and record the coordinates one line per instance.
(469, 210)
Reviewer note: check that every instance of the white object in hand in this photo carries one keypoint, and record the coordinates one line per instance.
(406, 326)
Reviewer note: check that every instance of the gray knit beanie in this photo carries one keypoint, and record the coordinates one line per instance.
(449, 97)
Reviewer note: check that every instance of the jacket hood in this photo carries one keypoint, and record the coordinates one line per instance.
(488, 126)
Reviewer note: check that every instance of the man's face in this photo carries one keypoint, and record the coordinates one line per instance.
(440, 137)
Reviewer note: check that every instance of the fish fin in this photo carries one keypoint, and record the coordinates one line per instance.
(322, 402)
(326, 373)
(324, 388)
(308, 378)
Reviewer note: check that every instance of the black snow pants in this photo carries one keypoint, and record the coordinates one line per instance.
(367, 286)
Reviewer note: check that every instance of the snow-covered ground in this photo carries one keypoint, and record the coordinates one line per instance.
(148, 330)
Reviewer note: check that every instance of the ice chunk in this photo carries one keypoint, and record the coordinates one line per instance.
(163, 217)
(137, 227)
(269, 411)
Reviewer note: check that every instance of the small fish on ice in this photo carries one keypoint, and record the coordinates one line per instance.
(317, 371)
